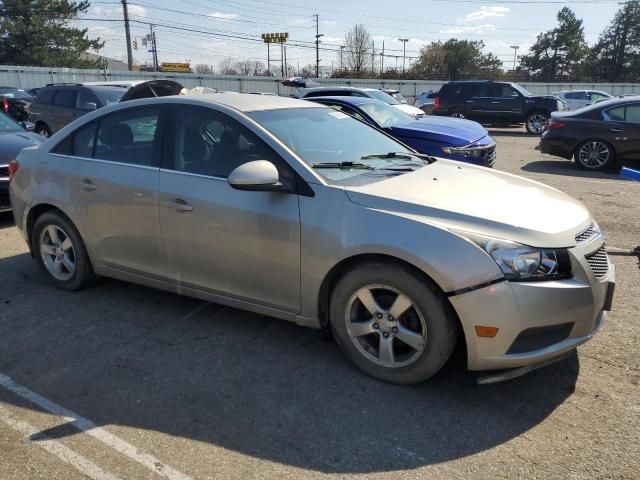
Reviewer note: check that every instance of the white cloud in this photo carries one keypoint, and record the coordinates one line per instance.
(332, 40)
(330, 22)
(472, 29)
(297, 22)
(487, 12)
(223, 16)
(137, 10)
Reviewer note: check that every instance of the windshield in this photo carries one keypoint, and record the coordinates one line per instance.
(522, 90)
(9, 126)
(384, 115)
(13, 93)
(383, 97)
(323, 135)
(109, 97)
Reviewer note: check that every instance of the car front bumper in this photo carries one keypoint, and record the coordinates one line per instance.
(552, 317)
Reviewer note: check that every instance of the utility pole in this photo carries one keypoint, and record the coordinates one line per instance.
(373, 57)
(318, 35)
(282, 60)
(515, 56)
(127, 33)
(404, 51)
(286, 67)
(382, 59)
(154, 51)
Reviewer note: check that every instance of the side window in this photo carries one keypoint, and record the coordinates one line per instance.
(576, 96)
(210, 143)
(85, 97)
(633, 113)
(503, 91)
(348, 111)
(65, 98)
(315, 94)
(83, 141)
(358, 94)
(616, 114)
(128, 137)
(597, 96)
(475, 91)
(45, 96)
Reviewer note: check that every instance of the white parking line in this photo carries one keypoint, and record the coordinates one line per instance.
(145, 459)
(58, 449)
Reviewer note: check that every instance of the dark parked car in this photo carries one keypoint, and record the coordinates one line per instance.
(452, 138)
(57, 105)
(496, 102)
(34, 91)
(598, 137)
(15, 103)
(13, 138)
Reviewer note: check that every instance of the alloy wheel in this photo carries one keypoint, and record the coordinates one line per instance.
(458, 115)
(594, 155)
(58, 255)
(386, 326)
(538, 123)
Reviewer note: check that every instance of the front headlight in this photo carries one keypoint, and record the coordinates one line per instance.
(523, 263)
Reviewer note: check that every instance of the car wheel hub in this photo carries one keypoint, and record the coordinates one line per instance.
(386, 326)
(57, 252)
(594, 154)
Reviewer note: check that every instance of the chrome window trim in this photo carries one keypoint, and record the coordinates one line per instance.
(111, 162)
(190, 174)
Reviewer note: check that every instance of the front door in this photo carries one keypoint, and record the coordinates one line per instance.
(64, 108)
(241, 244)
(114, 165)
(505, 103)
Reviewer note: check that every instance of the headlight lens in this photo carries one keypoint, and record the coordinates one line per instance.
(523, 263)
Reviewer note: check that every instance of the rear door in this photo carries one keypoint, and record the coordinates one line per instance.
(218, 239)
(476, 100)
(64, 107)
(623, 123)
(115, 170)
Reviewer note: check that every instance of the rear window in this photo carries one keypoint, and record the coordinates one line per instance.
(109, 97)
(45, 96)
(65, 98)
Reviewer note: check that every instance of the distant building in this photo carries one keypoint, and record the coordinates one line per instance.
(111, 63)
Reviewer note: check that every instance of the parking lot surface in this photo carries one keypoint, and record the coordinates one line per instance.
(122, 381)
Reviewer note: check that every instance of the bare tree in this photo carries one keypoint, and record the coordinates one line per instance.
(357, 54)
(227, 66)
(204, 68)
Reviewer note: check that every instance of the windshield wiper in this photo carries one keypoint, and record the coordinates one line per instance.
(343, 165)
(402, 155)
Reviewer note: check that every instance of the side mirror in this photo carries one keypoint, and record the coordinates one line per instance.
(89, 106)
(28, 126)
(258, 175)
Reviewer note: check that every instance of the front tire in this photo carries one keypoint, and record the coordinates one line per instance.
(595, 155)
(392, 323)
(537, 123)
(61, 253)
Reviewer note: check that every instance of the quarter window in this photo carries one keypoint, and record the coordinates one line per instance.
(616, 114)
(128, 137)
(65, 98)
(633, 114)
(211, 143)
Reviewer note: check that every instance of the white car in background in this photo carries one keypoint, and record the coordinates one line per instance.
(575, 99)
(361, 92)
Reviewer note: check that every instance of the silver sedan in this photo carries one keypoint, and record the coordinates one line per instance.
(297, 211)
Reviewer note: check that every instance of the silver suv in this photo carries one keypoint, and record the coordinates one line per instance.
(294, 210)
(57, 105)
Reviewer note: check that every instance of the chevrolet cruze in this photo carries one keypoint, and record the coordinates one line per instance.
(294, 210)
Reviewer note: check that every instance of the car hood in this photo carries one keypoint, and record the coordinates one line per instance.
(479, 200)
(12, 143)
(409, 109)
(454, 131)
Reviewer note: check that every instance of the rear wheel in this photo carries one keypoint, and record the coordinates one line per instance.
(595, 155)
(43, 130)
(391, 323)
(458, 114)
(60, 252)
(537, 123)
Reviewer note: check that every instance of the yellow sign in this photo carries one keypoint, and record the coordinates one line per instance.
(176, 67)
(275, 37)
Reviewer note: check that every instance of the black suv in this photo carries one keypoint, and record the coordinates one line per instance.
(57, 105)
(496, 102)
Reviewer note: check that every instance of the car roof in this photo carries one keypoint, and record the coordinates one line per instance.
(349, 100)
(340, 87)
(245, 102)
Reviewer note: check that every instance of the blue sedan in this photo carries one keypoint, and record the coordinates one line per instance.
(444, 137)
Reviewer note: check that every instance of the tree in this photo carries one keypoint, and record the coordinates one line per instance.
(40, 33)
(227, 66)
(357, 53)
(203, 68)
(249, 67)
(616, 56)
(560, 53)
(455, 59)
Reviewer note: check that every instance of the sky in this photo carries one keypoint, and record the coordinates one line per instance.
(233, 27)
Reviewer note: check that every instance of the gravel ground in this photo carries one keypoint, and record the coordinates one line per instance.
(178, 388)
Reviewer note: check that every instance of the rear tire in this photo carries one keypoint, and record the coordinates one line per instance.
(458, 113)
(596, 155)
(61, 253)
(409, 335)
(42, 129)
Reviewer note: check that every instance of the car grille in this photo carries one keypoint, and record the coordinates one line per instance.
(4, 171)
(587, 234)
(599, 262)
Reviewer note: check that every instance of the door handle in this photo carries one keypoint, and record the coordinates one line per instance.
(177, 204)
(87, 185)
(469, 101)
(495, 103)
(616, 130)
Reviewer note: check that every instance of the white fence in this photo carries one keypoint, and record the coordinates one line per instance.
(30, 77)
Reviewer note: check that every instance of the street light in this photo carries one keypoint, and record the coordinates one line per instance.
(515, 54)
(404, 51)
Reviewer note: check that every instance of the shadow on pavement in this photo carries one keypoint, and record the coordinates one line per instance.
(6, 220)
(121, 354)
(569, 168)
(518, 131)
